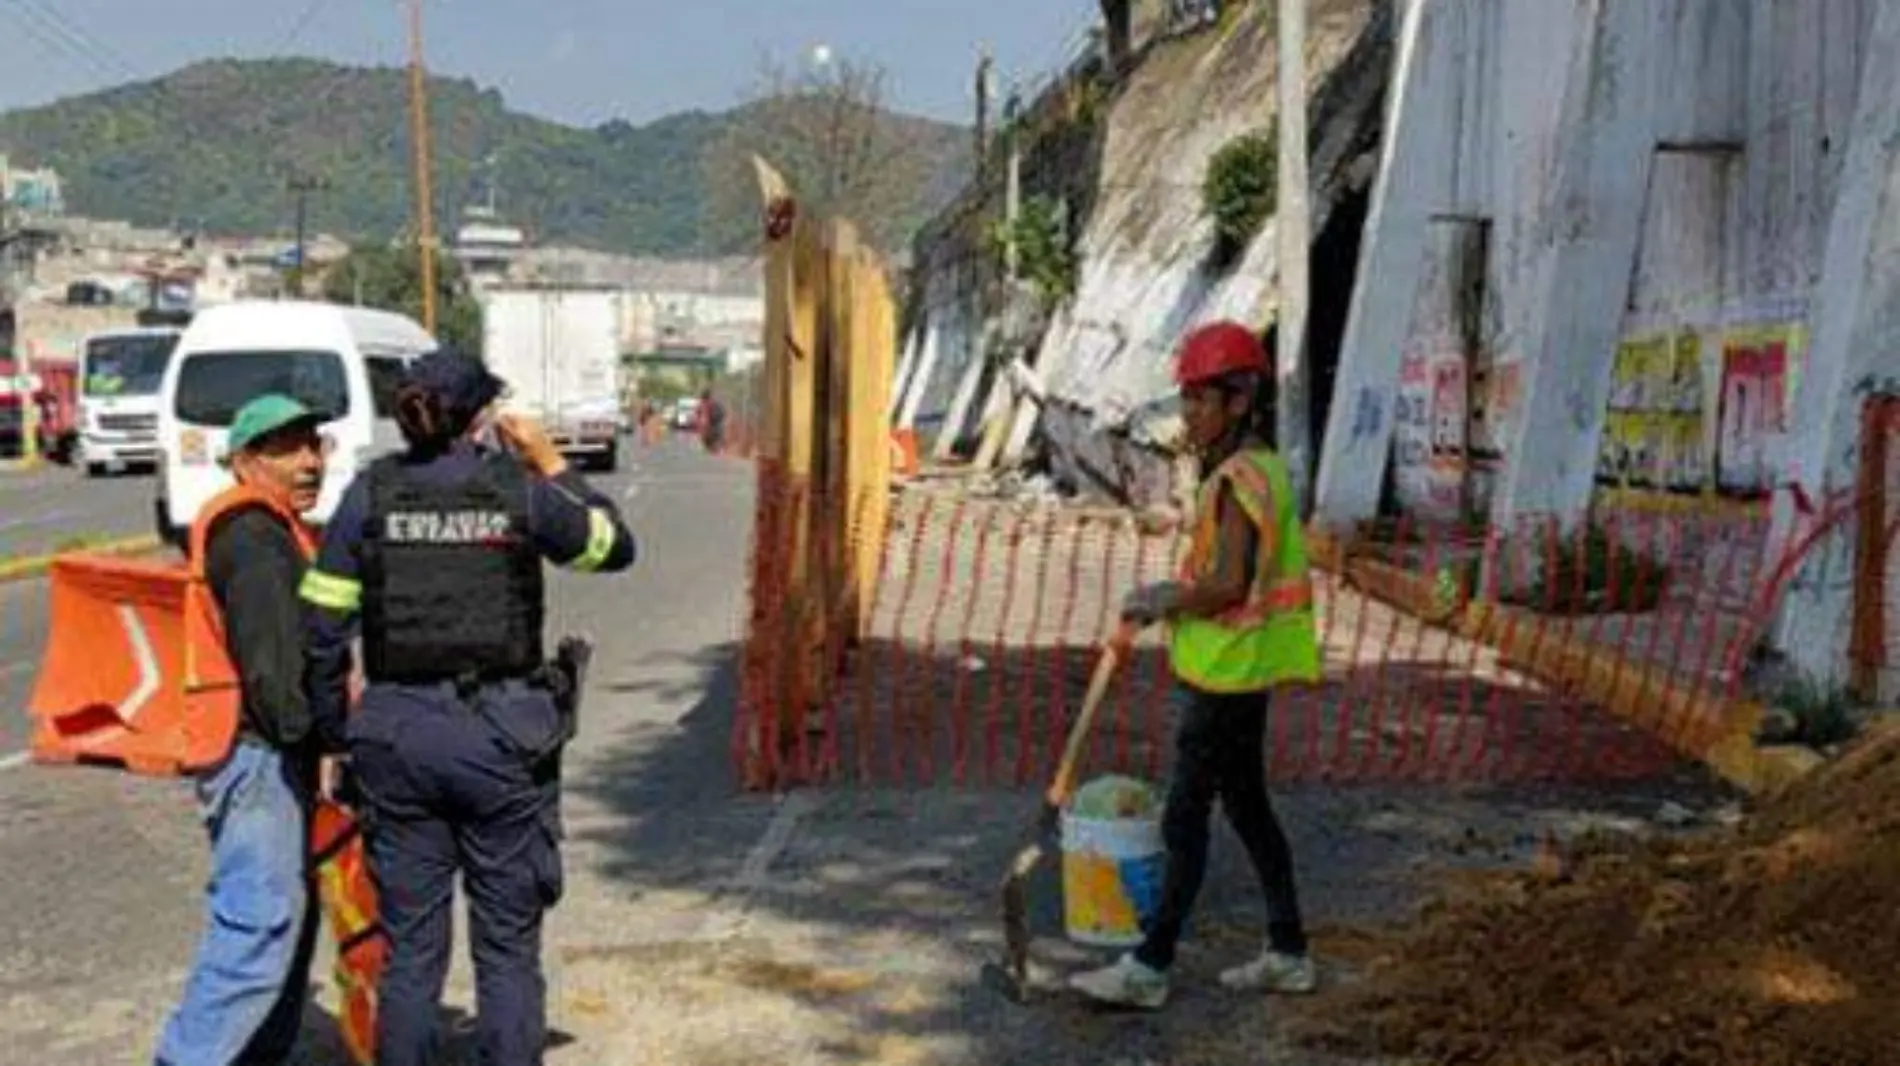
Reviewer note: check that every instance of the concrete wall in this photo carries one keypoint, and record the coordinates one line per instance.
(1853, 353)
(1639, 167)
(1646, 191)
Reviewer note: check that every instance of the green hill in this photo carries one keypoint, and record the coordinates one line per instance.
(213, 144)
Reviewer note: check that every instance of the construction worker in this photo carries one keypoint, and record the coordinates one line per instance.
(437, 554)
(1240, 625)
(244, 999)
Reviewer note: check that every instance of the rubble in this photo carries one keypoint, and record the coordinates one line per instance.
(1772, 943)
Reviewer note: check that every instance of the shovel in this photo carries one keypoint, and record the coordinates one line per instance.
(1014, 973)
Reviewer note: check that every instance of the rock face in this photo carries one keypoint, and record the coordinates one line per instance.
(1145, 269)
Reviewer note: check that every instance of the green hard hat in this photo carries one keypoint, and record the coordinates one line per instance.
(266, 415)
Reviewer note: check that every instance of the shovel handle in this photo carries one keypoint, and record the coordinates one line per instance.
(1116, 651)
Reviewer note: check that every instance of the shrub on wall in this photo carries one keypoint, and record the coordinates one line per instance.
(1043, 255)
(1239, 190)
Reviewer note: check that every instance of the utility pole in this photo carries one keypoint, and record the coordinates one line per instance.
(1293, 224)
(984, 61)
(425, 203)
(302, 186)
(1012, 178)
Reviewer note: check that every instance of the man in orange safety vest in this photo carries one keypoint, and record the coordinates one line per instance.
(244, 999)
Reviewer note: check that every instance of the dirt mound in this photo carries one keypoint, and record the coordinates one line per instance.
(1775, 944)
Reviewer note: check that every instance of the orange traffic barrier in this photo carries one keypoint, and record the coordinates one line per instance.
(114, 680)
(348, 897)
(904, 459)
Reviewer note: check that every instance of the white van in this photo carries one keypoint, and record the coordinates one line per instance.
(345, 361)
(120, 373)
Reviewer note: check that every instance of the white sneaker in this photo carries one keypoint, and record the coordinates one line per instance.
(1274, 972)
(1124, 983)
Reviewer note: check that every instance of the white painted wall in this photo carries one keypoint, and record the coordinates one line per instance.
(1643, 166)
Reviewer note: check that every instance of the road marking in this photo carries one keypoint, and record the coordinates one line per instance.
(772, 843)
(15, 760)
(9, 669)
(726, 923)
(632, 491)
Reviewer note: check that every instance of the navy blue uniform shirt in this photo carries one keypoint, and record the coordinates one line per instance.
(572, 525)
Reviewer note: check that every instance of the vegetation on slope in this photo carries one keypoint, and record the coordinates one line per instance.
(214, 144)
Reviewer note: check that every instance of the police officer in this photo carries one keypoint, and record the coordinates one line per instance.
(436, 552)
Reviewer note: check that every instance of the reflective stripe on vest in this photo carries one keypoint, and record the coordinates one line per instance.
(1271, 638)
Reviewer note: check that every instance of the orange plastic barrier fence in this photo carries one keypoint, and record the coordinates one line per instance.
(1450, 654)
(348, 898)
(111, 684)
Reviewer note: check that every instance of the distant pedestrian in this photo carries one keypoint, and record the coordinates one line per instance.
(712, 422)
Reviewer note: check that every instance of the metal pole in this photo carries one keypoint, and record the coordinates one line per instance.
(303, 186)
(419, 123)
(1013, 180)
(1293, 224)
(983, 63)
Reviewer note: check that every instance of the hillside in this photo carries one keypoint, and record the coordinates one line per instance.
(213, 145)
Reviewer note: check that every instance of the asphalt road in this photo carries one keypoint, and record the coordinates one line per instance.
(100, 898)
(40, 509)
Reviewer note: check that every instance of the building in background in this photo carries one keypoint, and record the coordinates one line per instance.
(34, 193)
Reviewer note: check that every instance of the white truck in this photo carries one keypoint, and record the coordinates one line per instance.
(120, 372)
(559, 351)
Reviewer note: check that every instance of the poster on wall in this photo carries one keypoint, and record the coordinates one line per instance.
(1653, 434)
(1757, 387)
(1429, 461)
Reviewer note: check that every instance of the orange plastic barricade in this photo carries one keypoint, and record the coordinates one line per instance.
(904, 456)
(112, 685)
(348, 897)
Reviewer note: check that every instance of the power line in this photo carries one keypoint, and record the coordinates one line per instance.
(302, 22)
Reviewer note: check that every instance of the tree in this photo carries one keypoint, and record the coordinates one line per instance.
(825, 128)
(390, 277)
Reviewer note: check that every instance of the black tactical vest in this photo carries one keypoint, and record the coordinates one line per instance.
(452, 586)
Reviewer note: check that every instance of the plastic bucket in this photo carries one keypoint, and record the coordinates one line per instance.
(1111, 878)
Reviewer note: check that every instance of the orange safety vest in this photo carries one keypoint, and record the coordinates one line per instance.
(213, 698)
(214, 702)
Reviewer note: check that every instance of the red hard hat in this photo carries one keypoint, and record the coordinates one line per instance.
(1216, 350)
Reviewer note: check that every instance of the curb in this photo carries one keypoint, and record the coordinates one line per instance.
(1622, 688)
(31, 566)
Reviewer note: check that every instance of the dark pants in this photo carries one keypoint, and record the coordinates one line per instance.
(450, 788)
(1220, 754)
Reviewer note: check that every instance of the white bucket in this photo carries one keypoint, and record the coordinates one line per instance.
(1111, 878)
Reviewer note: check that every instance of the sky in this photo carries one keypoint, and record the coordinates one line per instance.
(577, 61)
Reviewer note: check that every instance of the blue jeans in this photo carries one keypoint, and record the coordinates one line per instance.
(244, 1000)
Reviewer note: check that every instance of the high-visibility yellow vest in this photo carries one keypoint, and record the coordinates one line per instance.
(1269, 639)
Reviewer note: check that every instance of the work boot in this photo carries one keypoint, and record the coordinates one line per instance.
(1274, 971)
(1124, 983)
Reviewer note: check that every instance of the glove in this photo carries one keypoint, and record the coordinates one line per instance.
(1148, 604)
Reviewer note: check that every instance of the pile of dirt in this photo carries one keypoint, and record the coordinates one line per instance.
(1773, 944)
